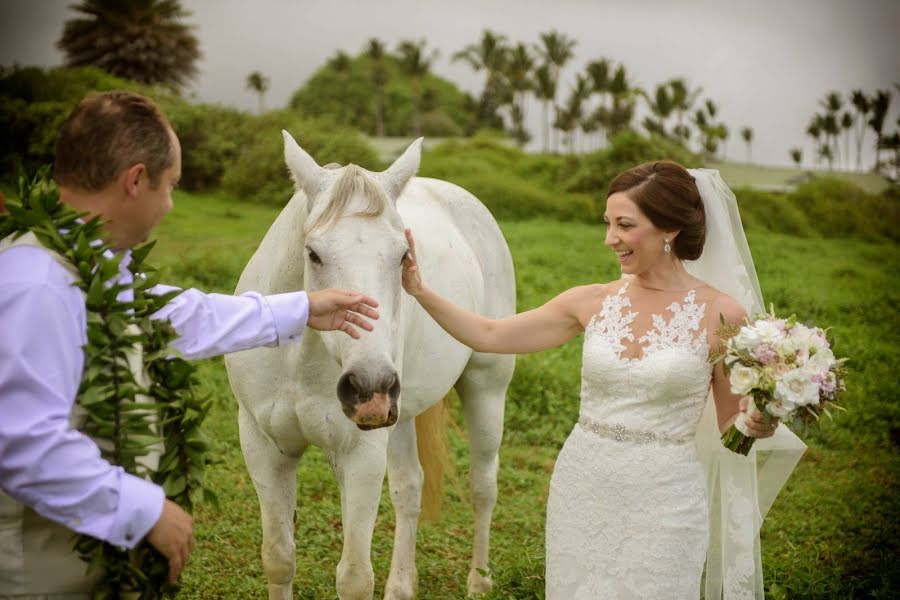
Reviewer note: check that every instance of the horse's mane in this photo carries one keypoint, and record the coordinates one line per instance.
(351, 182)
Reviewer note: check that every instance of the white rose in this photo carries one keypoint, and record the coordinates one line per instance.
(743, 379)
(797, 387)
(780, 409)
(822, 360)
(761, 332)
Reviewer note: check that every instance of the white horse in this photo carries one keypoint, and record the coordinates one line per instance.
(344, 228)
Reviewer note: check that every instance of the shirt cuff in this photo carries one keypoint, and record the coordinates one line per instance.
(140, 506)
(290, 313)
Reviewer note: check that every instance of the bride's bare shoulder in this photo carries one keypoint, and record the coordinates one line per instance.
(587, 300)
(722, 304)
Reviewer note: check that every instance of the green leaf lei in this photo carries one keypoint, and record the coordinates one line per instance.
(117, 407)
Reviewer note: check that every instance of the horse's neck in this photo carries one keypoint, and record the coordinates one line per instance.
(277, 265)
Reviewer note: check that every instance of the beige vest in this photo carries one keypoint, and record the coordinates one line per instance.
(37, 557)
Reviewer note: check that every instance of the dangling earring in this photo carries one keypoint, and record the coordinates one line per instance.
(667, 248)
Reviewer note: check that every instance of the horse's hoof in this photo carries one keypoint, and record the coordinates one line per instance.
(478, 583)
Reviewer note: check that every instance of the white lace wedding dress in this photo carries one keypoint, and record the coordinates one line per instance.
(627, 515)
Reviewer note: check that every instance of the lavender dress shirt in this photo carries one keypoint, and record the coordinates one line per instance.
(56, 470)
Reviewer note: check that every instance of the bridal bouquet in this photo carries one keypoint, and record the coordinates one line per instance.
(787, 369)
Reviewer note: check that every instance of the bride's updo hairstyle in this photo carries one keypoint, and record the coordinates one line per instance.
(667, 194)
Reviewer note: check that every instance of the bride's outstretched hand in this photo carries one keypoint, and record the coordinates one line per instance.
(412, 280)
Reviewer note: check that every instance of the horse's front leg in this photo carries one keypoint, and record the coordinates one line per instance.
(360, 474)
(405, 478)
(274, 476)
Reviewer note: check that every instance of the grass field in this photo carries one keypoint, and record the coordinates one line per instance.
(832, 533)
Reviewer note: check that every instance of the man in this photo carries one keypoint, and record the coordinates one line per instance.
(116, 157)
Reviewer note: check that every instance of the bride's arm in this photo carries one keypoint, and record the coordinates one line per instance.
(728, 404)
(547, 326)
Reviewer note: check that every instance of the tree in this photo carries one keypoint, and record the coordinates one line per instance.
(259, 83)
(518, 75)
(141, 40)
(814, 130)
(556, 49)
(881, 102)
(797, 156)
(376, 52)
(415, 63)
(846, 123)
(683, 100)
(489, 55)
(862, 105)
(661, 106)
(747, 136)
(545, 91)
(568, 117)
(832, 103)
(623, 101)
(598, 72)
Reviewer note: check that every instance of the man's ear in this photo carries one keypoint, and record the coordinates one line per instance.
(132, 179)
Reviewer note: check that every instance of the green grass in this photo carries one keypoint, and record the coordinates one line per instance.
(832, 533)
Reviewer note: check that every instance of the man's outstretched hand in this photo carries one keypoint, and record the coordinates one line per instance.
(340, 310)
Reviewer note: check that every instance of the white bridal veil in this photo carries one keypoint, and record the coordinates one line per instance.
(740, 489)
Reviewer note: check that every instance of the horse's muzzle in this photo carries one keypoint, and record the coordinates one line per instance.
(369, 405)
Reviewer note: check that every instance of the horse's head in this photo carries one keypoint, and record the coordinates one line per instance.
(354, 239)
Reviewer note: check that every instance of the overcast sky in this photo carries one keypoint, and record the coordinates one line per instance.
(766, 63)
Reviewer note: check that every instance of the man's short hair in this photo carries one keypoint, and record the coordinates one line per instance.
(108, 133)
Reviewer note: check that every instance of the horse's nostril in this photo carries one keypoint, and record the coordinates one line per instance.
(354, 383)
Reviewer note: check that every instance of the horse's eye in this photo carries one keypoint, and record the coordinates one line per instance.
(313, 256)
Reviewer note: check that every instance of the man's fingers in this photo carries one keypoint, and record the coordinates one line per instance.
(349, 330)
(366, 310)
(358, 321)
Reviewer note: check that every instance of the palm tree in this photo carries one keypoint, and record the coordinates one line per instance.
(862, 105)
(880, 104)
(376, 52)
(814, 130)
(797, 156)
(490, 55)
(598, 73)
(846, 123)
(832, 103)
(518, 75)
(415, 63)
(682, 101)
(556, 49)
(747, 136)
(831, 130)
(545, 91)
(711, 133)
(259, 83)
(623, 100)
(573, 113)
(141, 40)
(661, 106)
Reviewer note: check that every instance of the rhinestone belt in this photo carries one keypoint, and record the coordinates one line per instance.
(620, 433)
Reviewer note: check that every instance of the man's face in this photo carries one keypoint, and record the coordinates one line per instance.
(143, 213)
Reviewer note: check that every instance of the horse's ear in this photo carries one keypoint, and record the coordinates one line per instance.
(399, 173)
(305, 172)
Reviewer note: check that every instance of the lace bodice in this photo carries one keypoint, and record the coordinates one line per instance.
(657, 384)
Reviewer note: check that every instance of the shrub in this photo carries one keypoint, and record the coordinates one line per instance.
(837, 208)
(259, 174)
(593, 172)
(510, 197)
(773, 212)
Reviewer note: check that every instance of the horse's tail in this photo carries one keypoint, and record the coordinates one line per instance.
(434, 456)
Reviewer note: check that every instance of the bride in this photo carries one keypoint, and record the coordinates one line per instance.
(643, 495)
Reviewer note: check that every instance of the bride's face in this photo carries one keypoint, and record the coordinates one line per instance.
(638, 244)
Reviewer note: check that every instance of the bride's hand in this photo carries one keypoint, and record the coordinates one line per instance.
(412, 279)
(760, 424)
